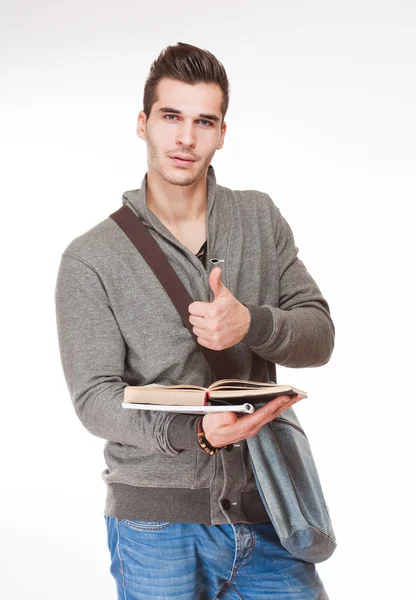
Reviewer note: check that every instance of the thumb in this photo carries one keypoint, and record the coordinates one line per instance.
(215, 282)
(229, 418)
(221, 419)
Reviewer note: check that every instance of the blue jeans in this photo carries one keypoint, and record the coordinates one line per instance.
(153, 560)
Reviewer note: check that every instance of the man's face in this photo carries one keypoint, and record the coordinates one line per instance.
(183, 130)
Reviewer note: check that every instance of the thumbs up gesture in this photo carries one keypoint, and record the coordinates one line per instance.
(221, 323)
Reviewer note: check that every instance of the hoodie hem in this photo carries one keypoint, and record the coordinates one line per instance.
(175, 505)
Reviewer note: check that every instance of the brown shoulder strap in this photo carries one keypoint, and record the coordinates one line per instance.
(219, 361)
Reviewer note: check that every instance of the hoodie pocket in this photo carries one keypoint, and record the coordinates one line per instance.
(146, 469)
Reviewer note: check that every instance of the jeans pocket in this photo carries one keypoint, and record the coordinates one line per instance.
(145, 525)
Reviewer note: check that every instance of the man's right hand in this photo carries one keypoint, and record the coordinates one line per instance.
(226, 428)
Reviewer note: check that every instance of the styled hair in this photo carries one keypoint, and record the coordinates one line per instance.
(189, 64)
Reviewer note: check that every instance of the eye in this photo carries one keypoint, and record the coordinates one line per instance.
(168, 117)
(205, 122)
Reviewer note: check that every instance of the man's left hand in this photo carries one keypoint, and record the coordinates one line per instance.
(221, 323)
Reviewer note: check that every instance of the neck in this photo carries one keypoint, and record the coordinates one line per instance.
(176, 205)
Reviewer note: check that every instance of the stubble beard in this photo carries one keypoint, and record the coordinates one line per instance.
(179, 179)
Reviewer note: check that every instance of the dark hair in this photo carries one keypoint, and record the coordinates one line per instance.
(189, 64)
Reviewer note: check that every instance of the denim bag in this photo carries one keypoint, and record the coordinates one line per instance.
(288, 482)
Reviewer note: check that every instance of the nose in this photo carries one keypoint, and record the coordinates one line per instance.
(185, 135)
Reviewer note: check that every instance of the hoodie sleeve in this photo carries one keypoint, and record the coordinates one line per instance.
(93, 351)
(299, 332)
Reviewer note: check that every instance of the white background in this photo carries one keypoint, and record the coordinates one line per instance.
(322, 117)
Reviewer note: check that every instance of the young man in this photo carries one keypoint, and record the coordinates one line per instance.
(182, 522)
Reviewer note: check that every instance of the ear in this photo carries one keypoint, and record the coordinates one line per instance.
(223, 130)
(141, 125)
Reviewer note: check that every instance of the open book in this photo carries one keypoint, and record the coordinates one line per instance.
(225, 394)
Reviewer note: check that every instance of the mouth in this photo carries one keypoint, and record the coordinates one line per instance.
(182, 161)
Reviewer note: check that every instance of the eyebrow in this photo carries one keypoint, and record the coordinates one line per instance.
(168, 109)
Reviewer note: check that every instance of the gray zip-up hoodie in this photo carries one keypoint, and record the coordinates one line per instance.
(117, 327)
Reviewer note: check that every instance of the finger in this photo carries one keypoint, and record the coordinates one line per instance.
(275, 411)
(275, 405)
(198, 309)
(203, 342)
(249, 425)
(197, 321)
(282, 408)
(201, 332)
(268, 410)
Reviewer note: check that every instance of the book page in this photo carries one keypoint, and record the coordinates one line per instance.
(181, 386)
(268, 392)
(244, 393)
(239, 384)
(165, 395)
